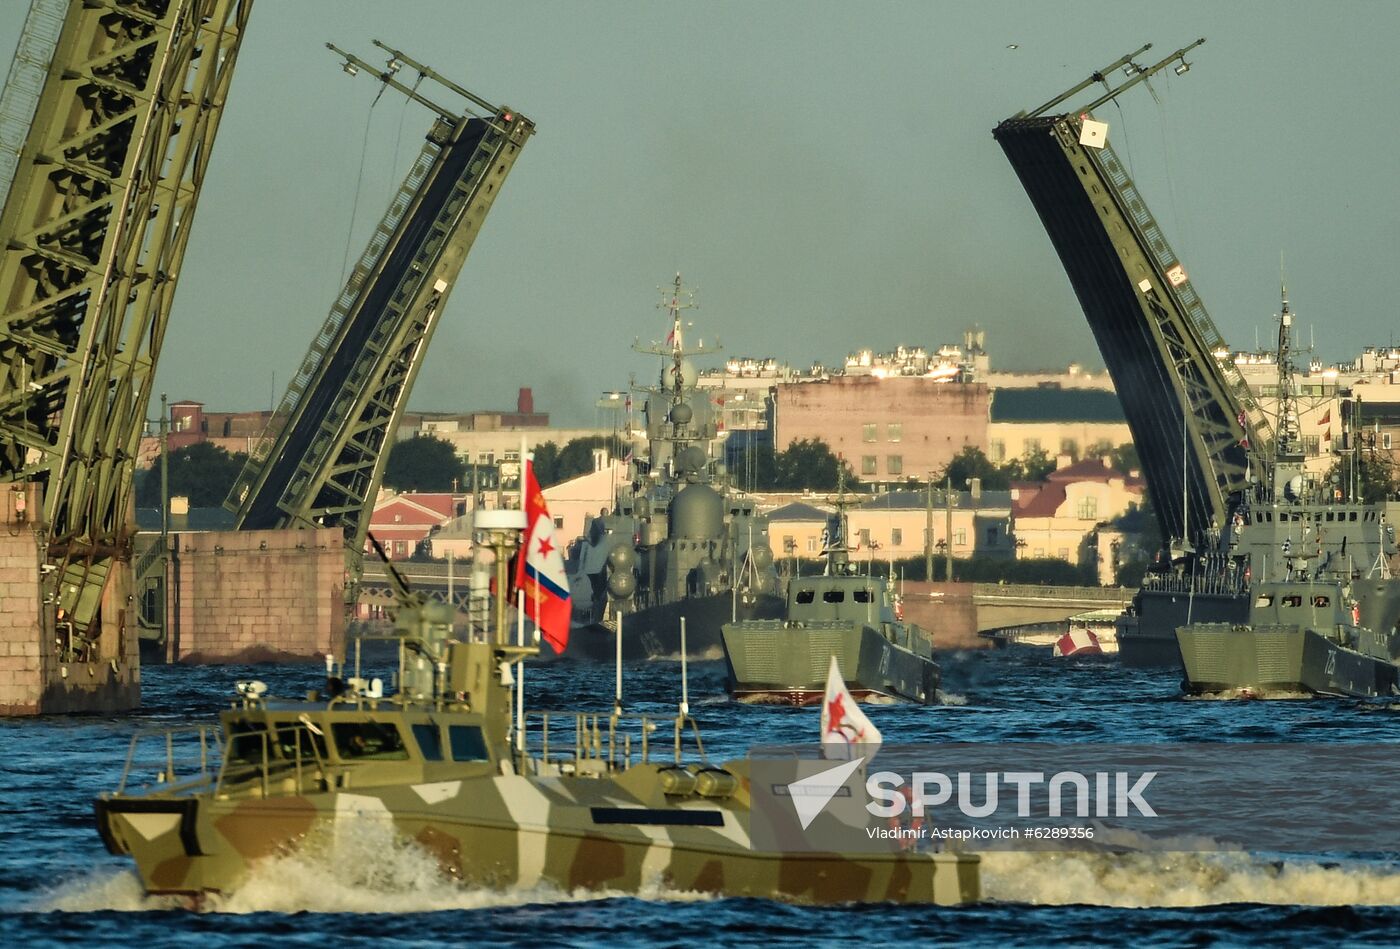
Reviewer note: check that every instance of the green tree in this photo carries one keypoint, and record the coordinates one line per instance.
(1375, 476)
(757, 468)
(547, 464)
(202, 472)
(972, 463)
(423, 463)
(1033, 467)
(576, 457)
(809, 463)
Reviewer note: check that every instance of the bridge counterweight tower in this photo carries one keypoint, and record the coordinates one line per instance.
(92, 236)
(322, 459)
(1198, 430)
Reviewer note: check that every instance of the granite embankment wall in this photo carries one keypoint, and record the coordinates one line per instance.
(254, 596)
(44, 669)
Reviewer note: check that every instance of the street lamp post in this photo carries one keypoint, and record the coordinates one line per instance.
(948, 528)
(928, 531)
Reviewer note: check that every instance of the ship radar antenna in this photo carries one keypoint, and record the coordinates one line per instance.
(1288, 444)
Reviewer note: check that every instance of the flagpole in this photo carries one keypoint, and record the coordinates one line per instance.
(617, 693)
(520, 678)
(685, 681)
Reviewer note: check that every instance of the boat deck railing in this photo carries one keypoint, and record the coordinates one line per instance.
(296, 755)
(176, 760)
(595, 742)
(1209, 584)
(195, 759)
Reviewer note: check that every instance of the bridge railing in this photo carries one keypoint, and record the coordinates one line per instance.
(1037, 591)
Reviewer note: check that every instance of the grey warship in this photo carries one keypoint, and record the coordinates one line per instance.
(1302, 638)
(1289, 528)
(679, 543)
(1322, 621)
(842, 613)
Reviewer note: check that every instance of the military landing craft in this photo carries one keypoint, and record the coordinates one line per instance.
(1322, 620)
(678, 543)
(843, 614)
(501, 799)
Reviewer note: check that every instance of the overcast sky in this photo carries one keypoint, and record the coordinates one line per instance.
(824, 172)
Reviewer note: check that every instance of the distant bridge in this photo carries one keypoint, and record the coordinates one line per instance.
(1000, 605)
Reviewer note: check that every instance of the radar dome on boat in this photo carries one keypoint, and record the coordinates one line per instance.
(688, 375)
(681, 413)
(691, 460)
(697, 513)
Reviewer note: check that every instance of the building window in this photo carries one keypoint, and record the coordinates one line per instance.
(1068, 446)
(894, 431)
(1064, 554)
(895, 464)
(960, 537)
(1030, 446)
(1385, 440)
(991, 537)
(865, 537)
(558, 522)
(1088, 509)
(867, 464)
(896, 537)
(789, 543)
(996, 450)
(811, 545)
(1040, 553)
(870, 431)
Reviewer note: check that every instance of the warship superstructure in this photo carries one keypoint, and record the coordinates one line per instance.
(1302, 637)
(453, 764)
(852, 616)
(1313, 576)
(678, 543)
(1289, 527)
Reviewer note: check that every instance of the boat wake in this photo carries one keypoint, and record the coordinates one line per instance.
(708, 654)
(369, 875)
(1143, 880)
(1245, 694)
(951, 698)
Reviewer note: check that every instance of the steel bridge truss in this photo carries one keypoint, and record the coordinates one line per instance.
(322, 458)
(92, 236)
(1197, 428)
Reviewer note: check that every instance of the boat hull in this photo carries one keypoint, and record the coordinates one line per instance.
(787, 663)
(1279, 660)
(509, 831)
(1148, 639)
(655, 632)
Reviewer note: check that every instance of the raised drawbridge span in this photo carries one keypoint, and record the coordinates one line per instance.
(111, 109)
(321, 462)
(1200, 434)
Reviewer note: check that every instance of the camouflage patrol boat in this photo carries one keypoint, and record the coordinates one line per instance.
(845, 614)
(500, 798)
(1303, 636)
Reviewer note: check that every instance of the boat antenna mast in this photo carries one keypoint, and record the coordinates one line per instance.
(836, 549)
(1288, 446)
(681, 429)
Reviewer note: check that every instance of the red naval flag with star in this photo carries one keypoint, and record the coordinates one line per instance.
(844, 725)
(540, 572)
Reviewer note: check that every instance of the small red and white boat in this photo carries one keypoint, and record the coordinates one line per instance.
(1078, 642)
